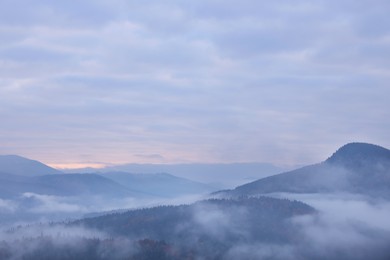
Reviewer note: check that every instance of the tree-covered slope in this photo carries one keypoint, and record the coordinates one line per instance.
(356, 167)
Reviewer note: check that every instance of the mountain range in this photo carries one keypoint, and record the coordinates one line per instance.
(19, 175)
(354, 168)
(240, 223)
(159, 184)
(220, 175)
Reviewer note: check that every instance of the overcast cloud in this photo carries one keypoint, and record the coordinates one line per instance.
(286, 82)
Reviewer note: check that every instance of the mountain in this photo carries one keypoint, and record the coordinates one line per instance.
(211, 229)
(85, 184)
(18, 165)
(13, 186)
(159, 222)
(206, 229)
(221, 175)
(356, 167)
(159, 184)
(19, 175)
(361, 157)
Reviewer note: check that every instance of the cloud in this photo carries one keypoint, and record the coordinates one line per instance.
(34, 231)
(206, 81)
(51, 204)
(151, 157)
(348, 226)
(36, 241)
(344, 208)
(31, 208)
(261, 251)
(42, 12)
(214, 221)
(7, 206)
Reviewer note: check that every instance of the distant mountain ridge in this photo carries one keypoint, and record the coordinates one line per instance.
(356, 167)
(222, 175)
(19, 175)
(87, 184)
(14, 164)
(159, 184)
(64, 185)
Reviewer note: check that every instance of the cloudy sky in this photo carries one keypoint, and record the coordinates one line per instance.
(96, 82)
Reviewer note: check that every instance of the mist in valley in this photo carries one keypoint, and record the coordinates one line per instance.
(324, 211)
(346, 226)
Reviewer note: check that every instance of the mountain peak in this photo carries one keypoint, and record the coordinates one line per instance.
(358, 152)
(354, 168)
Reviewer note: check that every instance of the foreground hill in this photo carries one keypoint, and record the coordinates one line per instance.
(206, 228)
(14, 164)
(242, 228)
(356, 167)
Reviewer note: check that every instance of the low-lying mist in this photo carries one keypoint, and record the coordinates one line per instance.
(31, 207)
(347, 226)
(343, 226)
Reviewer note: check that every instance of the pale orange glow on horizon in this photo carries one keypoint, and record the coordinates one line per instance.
(69, 166)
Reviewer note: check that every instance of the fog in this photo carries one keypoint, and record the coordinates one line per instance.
(350, 225)
(30, 208)
(45, 241)
(346, 226)
(345, 207)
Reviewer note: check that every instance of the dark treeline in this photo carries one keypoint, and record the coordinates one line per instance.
(262, 217)
(206, 229)
(49, 248)
(243, 228)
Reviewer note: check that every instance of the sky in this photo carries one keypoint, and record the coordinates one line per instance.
(94, 83)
